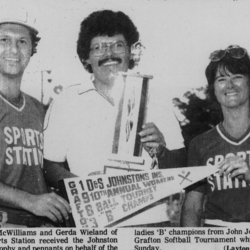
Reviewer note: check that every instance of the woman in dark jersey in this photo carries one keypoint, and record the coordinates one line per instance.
(223, 199)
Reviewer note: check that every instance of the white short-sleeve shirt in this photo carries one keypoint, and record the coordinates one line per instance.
(79, 128)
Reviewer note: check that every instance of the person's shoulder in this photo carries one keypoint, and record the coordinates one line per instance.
(204, 137)
(33, 102)
(29, 98)
(72, 98)
(76, 91)
(63, 107)
(70, 91)
(67, 97)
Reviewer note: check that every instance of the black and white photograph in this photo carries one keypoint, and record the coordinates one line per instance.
(124, 124)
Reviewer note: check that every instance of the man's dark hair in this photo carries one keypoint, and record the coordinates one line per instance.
(226, 64)
(104, 23)
(34, 40)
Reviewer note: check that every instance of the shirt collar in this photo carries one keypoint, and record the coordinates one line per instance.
(88, 85)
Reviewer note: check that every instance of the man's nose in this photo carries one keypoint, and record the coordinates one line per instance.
(108, 51)
(13, 47)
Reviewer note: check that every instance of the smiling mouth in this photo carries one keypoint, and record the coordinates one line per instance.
(231, 94)
(110, 63)
(11, 59)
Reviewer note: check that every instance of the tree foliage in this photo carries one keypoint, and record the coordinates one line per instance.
(201, 114)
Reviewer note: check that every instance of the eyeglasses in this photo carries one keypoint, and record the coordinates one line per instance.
(234, 51)
(99, 49)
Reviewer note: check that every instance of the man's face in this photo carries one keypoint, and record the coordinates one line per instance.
(15, 49)
(231, 90)
(105, 67)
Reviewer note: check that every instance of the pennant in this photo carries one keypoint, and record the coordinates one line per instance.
(106, 200)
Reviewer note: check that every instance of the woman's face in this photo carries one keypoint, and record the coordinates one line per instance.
(231, 90)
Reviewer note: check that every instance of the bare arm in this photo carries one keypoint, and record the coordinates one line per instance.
(47, 205)
(192, 209)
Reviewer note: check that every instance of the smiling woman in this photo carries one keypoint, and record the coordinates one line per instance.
(226, 146)
(231, 90)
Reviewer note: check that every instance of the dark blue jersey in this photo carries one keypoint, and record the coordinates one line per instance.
(227, 199)
(21, 147)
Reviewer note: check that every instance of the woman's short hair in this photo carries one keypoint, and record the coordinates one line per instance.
(226, 64)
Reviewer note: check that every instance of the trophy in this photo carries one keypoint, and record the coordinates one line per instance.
(132, 111)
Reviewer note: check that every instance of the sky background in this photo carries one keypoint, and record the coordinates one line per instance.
(178, 36)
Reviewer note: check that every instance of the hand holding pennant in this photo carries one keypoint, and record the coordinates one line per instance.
(106, 200)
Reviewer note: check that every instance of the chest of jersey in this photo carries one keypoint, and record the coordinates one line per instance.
(21, 139)
(218, 148)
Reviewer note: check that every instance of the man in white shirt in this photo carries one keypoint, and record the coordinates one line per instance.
(80, 124)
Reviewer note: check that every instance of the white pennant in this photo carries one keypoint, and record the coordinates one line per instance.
(104, 200)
